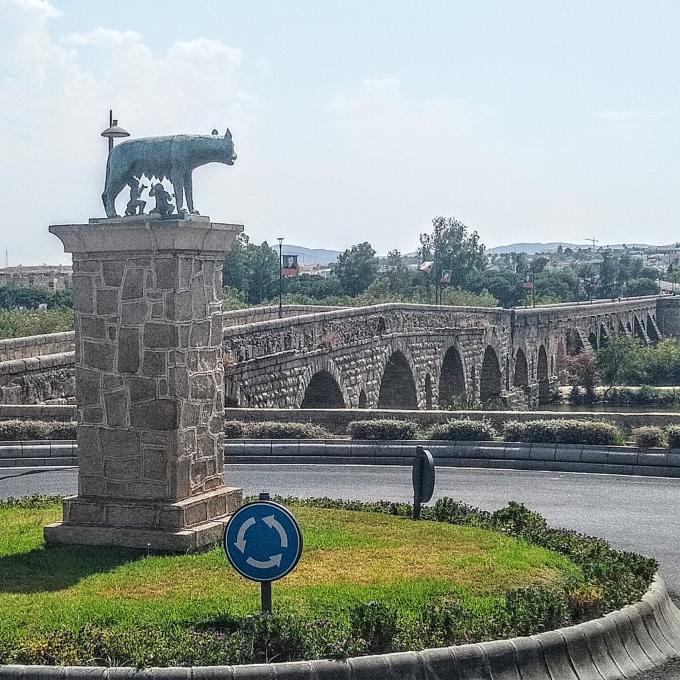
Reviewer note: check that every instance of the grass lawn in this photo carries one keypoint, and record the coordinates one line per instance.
(349, 558)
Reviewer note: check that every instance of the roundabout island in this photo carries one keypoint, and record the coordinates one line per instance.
(373, 587)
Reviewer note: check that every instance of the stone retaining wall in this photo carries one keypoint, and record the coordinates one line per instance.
(622, 644)
(337, 420)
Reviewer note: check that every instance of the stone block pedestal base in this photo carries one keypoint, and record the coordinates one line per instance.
(184, 526)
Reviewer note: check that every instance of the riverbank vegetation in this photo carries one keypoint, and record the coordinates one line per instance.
(370, 581)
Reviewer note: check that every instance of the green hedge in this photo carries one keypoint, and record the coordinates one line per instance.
(648, 437)
(234, 429)
(673, 436)
(463, 429)
(561, 432)
(383, 429)
(23, 430)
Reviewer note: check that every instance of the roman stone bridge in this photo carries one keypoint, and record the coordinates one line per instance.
(418, 356)
(395, 355)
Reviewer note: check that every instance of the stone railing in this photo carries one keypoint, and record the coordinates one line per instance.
(36, 345)
(238, 317)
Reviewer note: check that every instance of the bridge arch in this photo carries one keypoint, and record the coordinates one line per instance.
(521, 372)
(638, 329)
(542, 376)
(398, 386)
(652, 332)
(621, 328)
(592, 339)
(451, 375)
(322, 386)
(604, 336)
(490, 378)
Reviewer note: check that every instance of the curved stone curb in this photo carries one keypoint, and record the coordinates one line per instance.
(622, 644)
(621, 460)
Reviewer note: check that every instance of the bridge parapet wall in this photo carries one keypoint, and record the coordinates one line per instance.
(238, 317)
(36, 345)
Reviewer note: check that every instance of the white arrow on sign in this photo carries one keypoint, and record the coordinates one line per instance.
(274, 523)
(241, 536)
(273, 561)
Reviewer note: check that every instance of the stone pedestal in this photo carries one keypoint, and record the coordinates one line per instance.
(149, 383)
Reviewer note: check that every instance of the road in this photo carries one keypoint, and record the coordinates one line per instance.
(633, 513)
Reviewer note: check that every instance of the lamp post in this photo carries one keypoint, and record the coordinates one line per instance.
(114, 130)
(280, 240)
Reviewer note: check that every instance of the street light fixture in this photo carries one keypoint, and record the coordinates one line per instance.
(280, 240)
(114, 130)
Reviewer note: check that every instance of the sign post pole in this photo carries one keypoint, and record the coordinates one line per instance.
(266, 586)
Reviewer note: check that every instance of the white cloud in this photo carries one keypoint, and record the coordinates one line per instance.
(630, 115)
(108, 38)
(50, 136)
(42, 8)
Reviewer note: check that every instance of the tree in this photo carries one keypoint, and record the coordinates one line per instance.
(637, 287)
(505, 286)
(451, 246)
(621, 361)
(357, 268)
(252, 269)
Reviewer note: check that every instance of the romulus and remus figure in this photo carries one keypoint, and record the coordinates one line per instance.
(174, 158)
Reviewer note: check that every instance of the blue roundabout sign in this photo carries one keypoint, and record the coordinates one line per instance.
(263, 541)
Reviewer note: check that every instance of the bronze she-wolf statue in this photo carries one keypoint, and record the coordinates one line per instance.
(173, 157)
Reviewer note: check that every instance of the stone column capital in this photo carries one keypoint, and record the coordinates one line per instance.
(144, 234)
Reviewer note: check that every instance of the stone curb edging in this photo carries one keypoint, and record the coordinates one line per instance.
(495, 455)
(622, 644)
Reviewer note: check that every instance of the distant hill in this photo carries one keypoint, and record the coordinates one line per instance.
(533, 248)
(308, 256)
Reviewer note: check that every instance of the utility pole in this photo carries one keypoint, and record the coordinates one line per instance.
(280, 240)
(593, 241)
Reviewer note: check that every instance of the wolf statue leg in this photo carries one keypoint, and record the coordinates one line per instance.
(109, 198)
(189, 192)
(177, 180)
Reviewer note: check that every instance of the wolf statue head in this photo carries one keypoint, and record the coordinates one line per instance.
(230, 147)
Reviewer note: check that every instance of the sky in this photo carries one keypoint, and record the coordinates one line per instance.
(353, 120)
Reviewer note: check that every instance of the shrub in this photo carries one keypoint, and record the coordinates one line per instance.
(536, 609)
(22, 430)
(648, 437)
(374, 625)
(673, 436)
(233, 429)
(463, 429)
(278, 430)
(383, 429)
(561, 432)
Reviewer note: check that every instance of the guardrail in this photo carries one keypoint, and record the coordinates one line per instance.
(622, 460)
(622, 644)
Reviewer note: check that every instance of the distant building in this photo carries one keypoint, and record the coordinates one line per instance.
(49, 277)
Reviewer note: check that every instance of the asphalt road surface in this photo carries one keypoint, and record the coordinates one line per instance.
(633, 513)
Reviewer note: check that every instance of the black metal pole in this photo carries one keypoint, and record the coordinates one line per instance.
(280, 278)
(266, 597)
(110, 125)
(265, 586)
